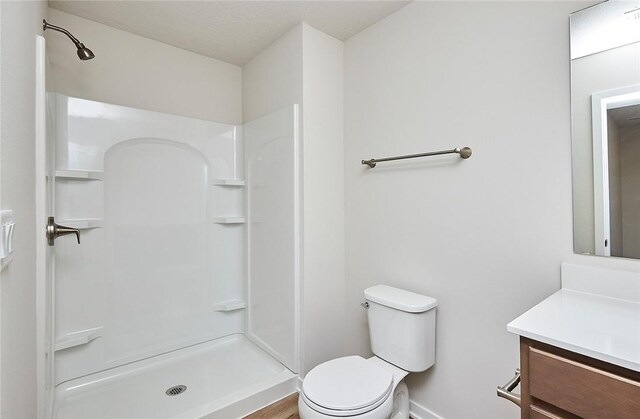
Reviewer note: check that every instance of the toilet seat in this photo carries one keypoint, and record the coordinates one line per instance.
(347, 386)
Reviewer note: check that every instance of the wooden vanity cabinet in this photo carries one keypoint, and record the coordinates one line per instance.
(556, 383)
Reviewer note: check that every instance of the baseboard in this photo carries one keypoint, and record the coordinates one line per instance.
(420, 412)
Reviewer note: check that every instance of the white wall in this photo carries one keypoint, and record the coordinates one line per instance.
(323, 198)
(484, 236)
(272, 79)
(20, 22)
(134, 71)
(305, 66)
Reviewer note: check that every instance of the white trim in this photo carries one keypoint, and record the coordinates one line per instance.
(42, 364)
(417, 411)
(1, 401)
(297, 233)
(601, 215)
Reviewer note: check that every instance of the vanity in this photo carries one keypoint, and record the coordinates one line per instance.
(580, 348)
(560, 384)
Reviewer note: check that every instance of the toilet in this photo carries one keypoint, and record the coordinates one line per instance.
(402, 328)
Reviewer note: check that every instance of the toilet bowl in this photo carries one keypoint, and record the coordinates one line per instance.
(354, 387)
(402, 330)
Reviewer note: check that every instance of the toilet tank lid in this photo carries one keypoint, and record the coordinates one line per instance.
(399, 299)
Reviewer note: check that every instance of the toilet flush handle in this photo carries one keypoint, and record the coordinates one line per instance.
(365, 305)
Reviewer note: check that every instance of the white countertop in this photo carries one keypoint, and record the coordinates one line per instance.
(594, 325)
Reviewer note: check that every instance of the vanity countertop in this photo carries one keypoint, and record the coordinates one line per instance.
(594, 325)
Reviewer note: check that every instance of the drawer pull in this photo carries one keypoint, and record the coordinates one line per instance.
(505, 390)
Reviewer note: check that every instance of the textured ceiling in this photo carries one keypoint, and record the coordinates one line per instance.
(232, 31)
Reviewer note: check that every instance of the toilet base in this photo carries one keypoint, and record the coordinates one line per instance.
(400, 402)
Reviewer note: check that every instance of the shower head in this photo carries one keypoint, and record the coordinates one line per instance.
(84, 53)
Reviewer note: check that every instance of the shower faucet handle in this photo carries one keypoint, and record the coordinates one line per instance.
(56, 230)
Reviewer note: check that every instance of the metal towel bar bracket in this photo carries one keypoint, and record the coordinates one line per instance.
(505, 390)
(465, 153)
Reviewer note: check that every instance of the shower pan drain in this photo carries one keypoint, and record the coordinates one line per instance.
(175, 390)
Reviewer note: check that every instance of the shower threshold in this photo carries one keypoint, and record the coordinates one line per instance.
(226, 378)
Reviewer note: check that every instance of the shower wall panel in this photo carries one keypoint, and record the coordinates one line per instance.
(159, 267)
(272, 166)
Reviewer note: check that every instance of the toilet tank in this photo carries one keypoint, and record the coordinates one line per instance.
(402, 327)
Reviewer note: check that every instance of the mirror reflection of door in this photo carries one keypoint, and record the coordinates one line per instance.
(616, 158)
(623, 129)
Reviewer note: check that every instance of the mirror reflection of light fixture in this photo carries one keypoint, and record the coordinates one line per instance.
(633, 14)
(84, 53)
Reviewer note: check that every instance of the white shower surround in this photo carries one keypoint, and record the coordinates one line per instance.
(160, 202)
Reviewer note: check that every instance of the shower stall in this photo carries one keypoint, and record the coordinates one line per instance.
(181, 299)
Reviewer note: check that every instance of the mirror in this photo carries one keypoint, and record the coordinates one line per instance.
(605, 116)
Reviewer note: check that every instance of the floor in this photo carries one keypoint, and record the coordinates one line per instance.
(217, 374)
(286, 408)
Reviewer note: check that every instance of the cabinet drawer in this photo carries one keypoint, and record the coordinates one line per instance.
(581, 389)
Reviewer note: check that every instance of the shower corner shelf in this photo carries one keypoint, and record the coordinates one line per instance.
(229, 305)
(228, 182)
(83, 223)
(73, 339)
(79, 174)
(228, 220)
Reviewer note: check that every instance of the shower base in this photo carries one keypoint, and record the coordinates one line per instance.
(225, 378)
